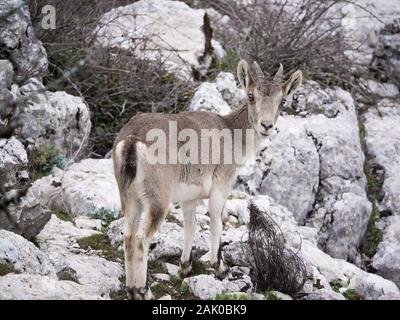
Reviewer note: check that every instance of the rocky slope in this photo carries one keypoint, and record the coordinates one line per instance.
(330, 167)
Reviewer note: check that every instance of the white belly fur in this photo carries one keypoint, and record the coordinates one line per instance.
(188, 192)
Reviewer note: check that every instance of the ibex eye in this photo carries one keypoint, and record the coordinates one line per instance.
(251, 97)
(283, 102)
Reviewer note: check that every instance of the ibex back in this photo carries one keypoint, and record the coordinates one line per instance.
(147, 188)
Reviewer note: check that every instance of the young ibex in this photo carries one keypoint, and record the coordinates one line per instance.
(147, 189)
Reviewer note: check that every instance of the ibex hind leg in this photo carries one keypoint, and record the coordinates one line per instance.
(149, 226)
(132, 210)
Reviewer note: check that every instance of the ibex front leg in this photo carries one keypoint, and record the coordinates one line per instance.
(189, 226)
(216, 206)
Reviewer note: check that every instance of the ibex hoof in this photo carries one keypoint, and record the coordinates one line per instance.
(221, 270)
(185, 269)
(143, 293)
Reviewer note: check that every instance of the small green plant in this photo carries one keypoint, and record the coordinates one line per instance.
(351, 294)
(184, 292)
(361, 128)
(6, 268)
(119, 295)
(176, 288)
(373, 236)
(199, 268)
(101, 242)
(154, 266)
(177, 205)
(160, 289)
(176, 281)
(270, 295)
(171, 218)
(106, 216)
(336, 285)
(232, 296)
(62, 215)
(43, 159)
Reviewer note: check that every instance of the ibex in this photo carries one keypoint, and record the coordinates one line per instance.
(146, 190)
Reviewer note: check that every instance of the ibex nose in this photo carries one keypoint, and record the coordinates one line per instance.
(266, 125)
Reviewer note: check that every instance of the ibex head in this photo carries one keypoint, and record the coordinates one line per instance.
(265, 94)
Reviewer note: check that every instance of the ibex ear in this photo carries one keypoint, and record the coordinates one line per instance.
(243, 75)
(294, 82)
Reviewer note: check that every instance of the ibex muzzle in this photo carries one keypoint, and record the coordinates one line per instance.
(147, 189)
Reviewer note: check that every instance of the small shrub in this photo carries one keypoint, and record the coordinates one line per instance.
(304, 34)
(114, 82)
(43, 159)
(273, 266)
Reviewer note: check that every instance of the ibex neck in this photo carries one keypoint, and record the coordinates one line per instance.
(238, 119)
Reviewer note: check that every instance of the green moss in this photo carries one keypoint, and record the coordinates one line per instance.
(64, 216)
(43, 159)
(119, 295)
(270, 295)
(351, 294)
(176, 281)
(199, 268)
(184, 292)
(160, 289)
(336, 285)
(6, 268)
(156, 267)
(177, 289)
(101, 242)
(232, 296)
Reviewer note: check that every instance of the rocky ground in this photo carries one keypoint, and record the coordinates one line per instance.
(329, 177)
